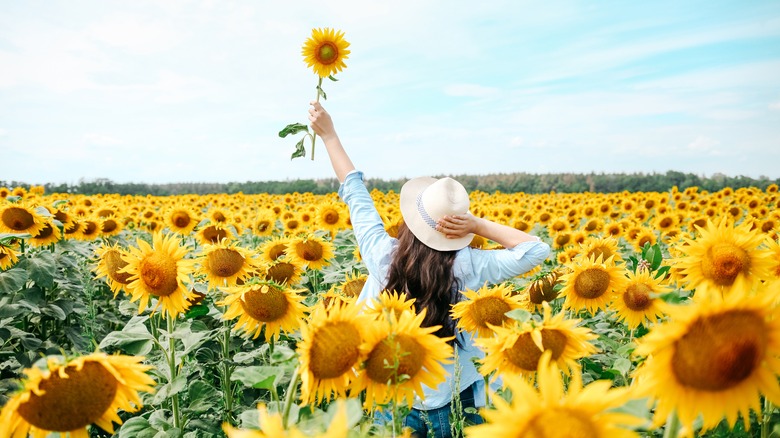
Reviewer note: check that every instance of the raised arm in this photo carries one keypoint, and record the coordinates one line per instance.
(322, 124)
(461, 225)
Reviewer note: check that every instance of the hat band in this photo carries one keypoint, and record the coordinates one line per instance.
(424, 214)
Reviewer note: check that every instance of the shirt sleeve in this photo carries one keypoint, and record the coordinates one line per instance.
(496, 266)
(372, 238)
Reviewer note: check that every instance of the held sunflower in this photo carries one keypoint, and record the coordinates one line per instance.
(325, 51)
(67, 396)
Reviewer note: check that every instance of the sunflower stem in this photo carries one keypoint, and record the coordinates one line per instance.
(766, 418)
(227, 388)
(672, 427)
(291, 389)
(314, 135)
(487, 391)
(172, 364)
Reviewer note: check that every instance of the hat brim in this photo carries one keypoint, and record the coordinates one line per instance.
(424, 233)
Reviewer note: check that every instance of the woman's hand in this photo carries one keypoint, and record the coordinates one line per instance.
(457, 226)
(321, 122)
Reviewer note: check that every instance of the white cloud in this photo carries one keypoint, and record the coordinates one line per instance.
(704, 144)
(775, 106)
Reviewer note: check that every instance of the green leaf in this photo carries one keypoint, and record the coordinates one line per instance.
(202, 397)
(662, 271)
(622, 365)
(196, 311)
(321, 92)
(299, 149)
(293, 128)
(12, 280)
(134, 338)
(333, 78)
(521, 315)
(137, 427)
(658, 257)
(250, 419)
(170, 389)
(54, 312)
(191, 339)
(42, 268)
(263, 377)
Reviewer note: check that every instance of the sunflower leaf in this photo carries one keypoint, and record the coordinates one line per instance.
(300, 151)
(521, 315)
(12, 281)
(321, 92)
(137, 427)
(333, 78)
(293, 128)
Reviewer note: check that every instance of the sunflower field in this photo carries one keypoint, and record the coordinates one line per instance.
(235, 315)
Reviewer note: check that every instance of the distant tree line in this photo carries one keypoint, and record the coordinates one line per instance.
(503, 182)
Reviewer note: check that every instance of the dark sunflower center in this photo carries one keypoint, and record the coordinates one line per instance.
(354, 287)
(637, 297)
(266, 306)
(277, 251)
(720, 351)
(334, 349)
(665, 222)
(263, 226)
(225, 262)
(218, 216)
(281, 272)
(90, 228)
(394, 357)
(591, 283)
(181, 219)
(723, 262)
(74, 228)
(46, 232)
(560, 423)
(158, 272)
(61, 216)
(602, 251)
(214, 234)
(108, 226)
(331, 217)
(71, 403)
(114, 262)
(327, 53)
(489, 310)
(17, 219)
(525, 354)
(562, 239)
(543, 289)
(309, 250)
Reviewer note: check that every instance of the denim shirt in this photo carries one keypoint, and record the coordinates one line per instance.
(473, 267)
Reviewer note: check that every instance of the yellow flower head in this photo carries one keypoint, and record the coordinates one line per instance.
(325, 51)
(485, 307)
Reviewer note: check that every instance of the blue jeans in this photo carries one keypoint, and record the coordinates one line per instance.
(438, 420)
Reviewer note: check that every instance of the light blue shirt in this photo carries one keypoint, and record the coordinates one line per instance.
(473, 267)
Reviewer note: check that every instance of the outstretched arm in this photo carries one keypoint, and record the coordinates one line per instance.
(461, 225)
(322, 124)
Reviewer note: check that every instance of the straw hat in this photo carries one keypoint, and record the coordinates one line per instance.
(425, 200)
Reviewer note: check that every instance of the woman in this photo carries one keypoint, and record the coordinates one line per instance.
(430, 261)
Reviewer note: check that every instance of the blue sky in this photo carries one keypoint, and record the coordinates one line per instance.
(182, 91)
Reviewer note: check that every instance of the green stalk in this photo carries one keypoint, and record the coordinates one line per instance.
(672, 426)
(767, 416)
(227, 387)
(487, 391)
(172, 364)
(314, 135)
(291, 389)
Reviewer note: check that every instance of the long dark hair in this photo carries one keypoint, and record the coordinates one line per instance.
(425, 274)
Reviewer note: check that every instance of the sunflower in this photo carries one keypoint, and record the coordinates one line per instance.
(311, 251)
(725, 258)
(181, 220)
(330, 217)
(19, 218)
(8, 257)
(390, 302)
(283, 271)
(484, 307)
(325, 51)
(264, 224)
(109, 266)
(274, 248)
(644, 236)
(223, 263)
(592, 284)
(49, 234)
(353, 284)
(604, 247)
(638, 301)
(516, 349)
(542, 288)
(67, 396)
(552, 413)
(109, 225)
(267, 304)
(714, 358)
(159, 270)
(773, 247)
(213, 233)
(400, 357)
(329, 351)
(90, 229)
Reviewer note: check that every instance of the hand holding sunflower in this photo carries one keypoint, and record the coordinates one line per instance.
(325, 52)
